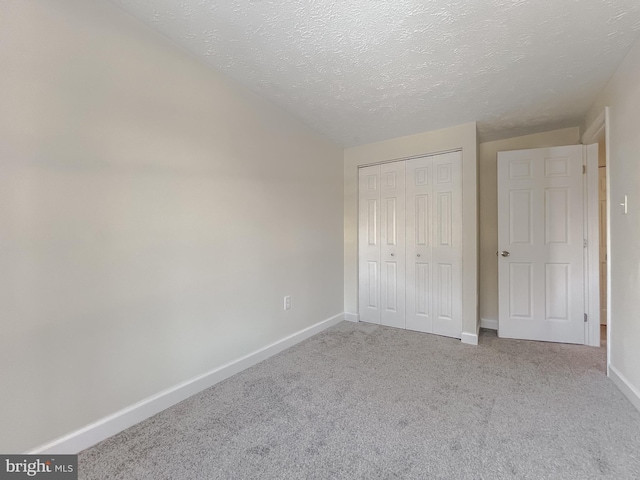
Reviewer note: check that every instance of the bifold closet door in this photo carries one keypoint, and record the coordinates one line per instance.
(434, 244)
(381, 244)
(392, 244)
(419, 233)
(369, 244)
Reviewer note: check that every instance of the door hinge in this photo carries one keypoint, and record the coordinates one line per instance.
(584, 169)
(584, 243)
(585, 318)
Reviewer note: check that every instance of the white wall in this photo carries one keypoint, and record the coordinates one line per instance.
(464, 137)
(153, 217)
(622, 95)
(488, 177)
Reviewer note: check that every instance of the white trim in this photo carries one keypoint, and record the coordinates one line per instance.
(471, 338)
(351, 317)
(108, 426)
(594, 131)
(592, 254)
(489, 323)
(628, 390)
(607, 133)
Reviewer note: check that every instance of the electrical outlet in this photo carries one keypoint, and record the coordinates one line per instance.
(287, 302)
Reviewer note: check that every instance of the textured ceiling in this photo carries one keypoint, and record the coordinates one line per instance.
(360, 71)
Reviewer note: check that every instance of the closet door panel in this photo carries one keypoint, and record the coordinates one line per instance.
(419, 220)
(369, 244)
(392, 244)
(447, 245)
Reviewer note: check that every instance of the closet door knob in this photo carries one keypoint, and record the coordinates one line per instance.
(392, 255)
(418, 255)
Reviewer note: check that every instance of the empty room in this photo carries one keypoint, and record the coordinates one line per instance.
(306, 239)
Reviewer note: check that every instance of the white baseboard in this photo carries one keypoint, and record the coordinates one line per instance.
(628, 390)
(471, 338)
(351, 317)
(108, 426)
(489, 323)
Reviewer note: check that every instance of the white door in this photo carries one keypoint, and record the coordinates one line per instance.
(434, 244)
(369, 244)
(540, 242)
(419, 234)
(410, 266)
(602, 204)
(392, 244)
(447, 244)
(381, 244)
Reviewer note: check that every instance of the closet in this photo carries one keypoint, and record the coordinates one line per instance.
(410, 244)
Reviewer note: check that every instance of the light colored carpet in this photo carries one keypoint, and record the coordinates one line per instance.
(362, 401)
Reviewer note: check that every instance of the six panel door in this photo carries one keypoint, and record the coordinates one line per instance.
(540, 241)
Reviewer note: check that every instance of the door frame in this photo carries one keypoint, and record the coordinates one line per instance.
(599, 126)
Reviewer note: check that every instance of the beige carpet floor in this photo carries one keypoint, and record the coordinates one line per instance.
(360, 401)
